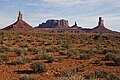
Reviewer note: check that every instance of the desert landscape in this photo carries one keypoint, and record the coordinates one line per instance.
(55, 49)
(28, 53)
(59, 56)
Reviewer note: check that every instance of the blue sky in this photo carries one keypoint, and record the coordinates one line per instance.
(85, 12)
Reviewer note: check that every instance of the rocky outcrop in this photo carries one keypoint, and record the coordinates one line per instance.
(54, 24)
(19, 25)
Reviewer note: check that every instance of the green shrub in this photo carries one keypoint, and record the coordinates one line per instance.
(27, 78)
(39, 67)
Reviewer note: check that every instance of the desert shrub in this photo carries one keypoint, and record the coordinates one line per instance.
(21, 51)
(100, 51)
(78, 69)
(65, 45)
(27, 78)
(17, 39)
(50, 59)
(39, 67)
(50, 50)
(85, 56)
(8, 45)
(104, 37)
(71, 72)
(115, 51)
(21, 60)
(4, 49)
(96, 37)
(58, 48)
(117, 60)
(76, 78)
(48, 43)
(41, 57)
(62, 53)
(72, 53)
(66, 73)
(98, 46)
(60, 59)
(32, 49)
(40, 51)
(113, 77)
(99, 74)
(20, 36)
(30, 40)
(24, 46)
(1, 42)
(87, 51)
(3, 59)
(109, 56)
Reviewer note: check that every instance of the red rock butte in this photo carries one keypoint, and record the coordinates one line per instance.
(19, 25)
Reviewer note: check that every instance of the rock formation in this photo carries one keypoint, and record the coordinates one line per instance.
(101, 28)
(75, 26)
(19, 25)
(54, 24)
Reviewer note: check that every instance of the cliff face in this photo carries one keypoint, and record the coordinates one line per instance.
(54, 24)
(19, 24)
